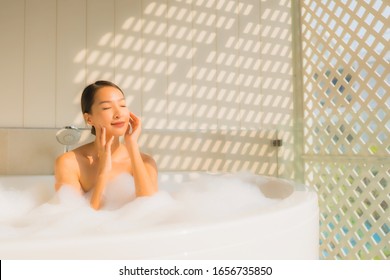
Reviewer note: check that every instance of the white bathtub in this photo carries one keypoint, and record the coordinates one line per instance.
(288, 229)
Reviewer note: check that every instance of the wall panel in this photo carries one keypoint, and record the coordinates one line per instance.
(11, 62)
(204, 69)
(248, 53)
(100, 40)
(40, 63)
(154, 68)
(179, 58)
(71, 61)
(276, 65)
(128, 51)
(228, 98)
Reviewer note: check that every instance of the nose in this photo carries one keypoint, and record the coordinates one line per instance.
(117, 113)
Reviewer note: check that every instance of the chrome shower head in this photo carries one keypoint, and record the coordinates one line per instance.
(68, 136)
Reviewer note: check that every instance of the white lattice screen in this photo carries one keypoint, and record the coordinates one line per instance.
(345, 50)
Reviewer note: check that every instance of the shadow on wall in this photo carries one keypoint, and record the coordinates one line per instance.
(222, 68)
(227, 151)
(195, 64)
(214, 151)
(209, 75)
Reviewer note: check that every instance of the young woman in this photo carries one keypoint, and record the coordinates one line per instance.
(90, 167)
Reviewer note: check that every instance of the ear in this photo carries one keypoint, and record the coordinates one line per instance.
(88, 119)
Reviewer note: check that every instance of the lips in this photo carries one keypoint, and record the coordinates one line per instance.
(118, 124)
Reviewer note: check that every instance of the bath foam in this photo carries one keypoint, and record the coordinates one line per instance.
(207, 199)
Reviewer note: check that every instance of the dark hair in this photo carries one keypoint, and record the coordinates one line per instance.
(88, 96)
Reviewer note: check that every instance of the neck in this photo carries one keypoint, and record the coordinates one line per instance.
(115, 144)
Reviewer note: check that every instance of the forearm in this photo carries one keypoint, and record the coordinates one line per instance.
(97, 195)
(145, 177)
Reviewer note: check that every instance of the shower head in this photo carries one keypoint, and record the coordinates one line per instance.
(68, 136)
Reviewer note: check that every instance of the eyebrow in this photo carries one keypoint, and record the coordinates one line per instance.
(109, 101)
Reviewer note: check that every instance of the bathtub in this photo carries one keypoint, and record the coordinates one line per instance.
(288, 229)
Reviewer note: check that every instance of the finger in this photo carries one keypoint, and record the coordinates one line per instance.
(130, 116)
(129, 128)
(133, 117)
(97, 132)
(103, 137)
(135, 120)
(109, 143)
(132, 123)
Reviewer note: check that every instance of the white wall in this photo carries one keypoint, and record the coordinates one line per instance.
(185, 66)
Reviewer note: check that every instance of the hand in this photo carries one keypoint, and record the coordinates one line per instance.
(133, 134)
(104, 151)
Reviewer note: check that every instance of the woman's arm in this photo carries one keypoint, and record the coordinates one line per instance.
(66, 172)
(104, 153)
(144, 167)
(144, 171)
(100, 185)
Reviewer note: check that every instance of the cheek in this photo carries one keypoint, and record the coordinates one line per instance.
(102, 117)
(126, 112)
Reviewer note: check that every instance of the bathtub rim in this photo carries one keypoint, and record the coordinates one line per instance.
(293, 200)
(301, 197)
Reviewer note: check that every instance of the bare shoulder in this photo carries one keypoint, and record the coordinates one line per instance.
(71, 158)
(148, 159)
(67, 169)
(151, 167)
(66, 160)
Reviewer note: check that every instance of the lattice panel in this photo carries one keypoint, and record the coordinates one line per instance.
(354, 217)
(346, 64)
(346, 82)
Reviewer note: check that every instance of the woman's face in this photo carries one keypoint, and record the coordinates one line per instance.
(109, 110)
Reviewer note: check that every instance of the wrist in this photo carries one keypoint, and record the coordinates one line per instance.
(132, 145)
(102, 177)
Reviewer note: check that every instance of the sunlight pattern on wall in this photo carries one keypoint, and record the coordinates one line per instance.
(215, 69)
(201, 70)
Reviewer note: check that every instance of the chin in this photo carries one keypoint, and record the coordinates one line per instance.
(116, 132)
